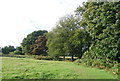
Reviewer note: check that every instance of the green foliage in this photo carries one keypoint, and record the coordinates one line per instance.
(101, 21)
(19, 48)
(68, 38)
(40, 57)
(54, 44)
(107, 64)
(7, 49)
(18, 51)
(39, 48)
(80, 41)
(11, 53)
(30, 40)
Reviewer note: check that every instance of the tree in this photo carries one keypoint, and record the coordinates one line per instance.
(18, 51)
(8, 49)
(39, 48)
(80, 41)
(11, 48)
(30, 40)
(65, 38)
(55, 43)
(102, 20)
(19, 48)
(5, 50)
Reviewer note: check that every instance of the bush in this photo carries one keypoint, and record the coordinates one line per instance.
(107, 64)
(116, 69)
(11, 52)
(18, 52)
(40, 57)
(87, 62)
(78, 61)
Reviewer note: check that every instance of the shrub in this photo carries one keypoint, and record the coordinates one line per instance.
(78, 61)
(87, 62)
(11, 52)
(107, 64)
(17, 52)
(40, 57)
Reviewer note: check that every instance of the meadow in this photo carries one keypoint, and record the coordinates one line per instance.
(28, 68)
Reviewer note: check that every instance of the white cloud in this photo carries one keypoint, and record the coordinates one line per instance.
(21, 17)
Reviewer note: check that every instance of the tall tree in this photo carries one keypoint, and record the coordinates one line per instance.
(55, 43)
(30, 40)
(39, 48)
(80, 41)
(102, 21)
(65, 38)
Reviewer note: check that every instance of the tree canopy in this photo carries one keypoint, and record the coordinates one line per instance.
(8, 49)
(39, 47)
(30, 40)
(102, 20)
(68, 38)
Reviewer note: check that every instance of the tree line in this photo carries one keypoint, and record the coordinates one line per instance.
(92, 32)
(11, 49)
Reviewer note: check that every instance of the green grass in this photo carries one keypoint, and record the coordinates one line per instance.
(27, 68)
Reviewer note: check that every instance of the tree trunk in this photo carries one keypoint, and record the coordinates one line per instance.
(72, 58)
(80, 56)
(63, 57)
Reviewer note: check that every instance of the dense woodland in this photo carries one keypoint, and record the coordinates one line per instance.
(92, 34)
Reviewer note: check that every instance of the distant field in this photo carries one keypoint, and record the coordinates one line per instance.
(27, 68)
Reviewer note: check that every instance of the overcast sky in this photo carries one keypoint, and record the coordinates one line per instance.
(18, 18)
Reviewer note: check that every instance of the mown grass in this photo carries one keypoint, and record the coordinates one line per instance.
(27, 68)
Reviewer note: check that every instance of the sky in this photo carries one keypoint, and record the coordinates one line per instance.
(18, 18)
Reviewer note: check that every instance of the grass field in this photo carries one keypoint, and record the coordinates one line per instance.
(26, 68)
